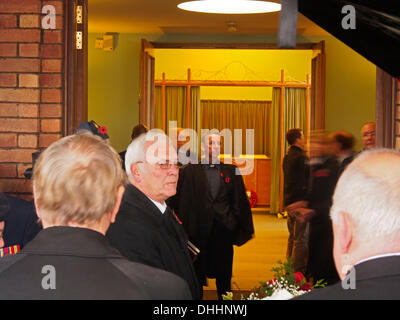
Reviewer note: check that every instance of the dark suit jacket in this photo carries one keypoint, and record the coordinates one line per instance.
(295, 175)
(143, 234)
(323, 177)
(375, 280)
(196, 208)
(21, 224)
(345, 163)
(86, 267)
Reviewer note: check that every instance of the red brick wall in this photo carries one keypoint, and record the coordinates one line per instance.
(31, 88)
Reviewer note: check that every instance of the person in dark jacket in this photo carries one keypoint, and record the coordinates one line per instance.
(341, 144)
(21, 223)
(146, 230)
(324, 172)
(366, 225)
(78, 185)
(295, 176)
(212, 204)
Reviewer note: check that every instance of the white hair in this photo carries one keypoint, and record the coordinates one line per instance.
(139, 147)
(369, 192)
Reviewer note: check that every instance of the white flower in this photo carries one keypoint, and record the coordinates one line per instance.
(280, 294)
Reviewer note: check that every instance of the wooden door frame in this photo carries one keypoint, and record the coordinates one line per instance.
(385, 110)
(146, 94)
(75, 68)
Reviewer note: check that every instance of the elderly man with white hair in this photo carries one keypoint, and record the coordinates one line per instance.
(146, 229)
(78, 184)
(366, 226)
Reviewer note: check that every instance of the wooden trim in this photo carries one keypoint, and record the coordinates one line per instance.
(188, 98)
(174, 45)
(318, 88)
(282, 153)
(385, 110)
(75, 68)
(225, 83)
(307, 136)
(164, 116)
(145, 97)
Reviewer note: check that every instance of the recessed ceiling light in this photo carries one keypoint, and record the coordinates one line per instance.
(230, 6)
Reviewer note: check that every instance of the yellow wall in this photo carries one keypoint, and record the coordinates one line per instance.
(230, 64)
(114, 81)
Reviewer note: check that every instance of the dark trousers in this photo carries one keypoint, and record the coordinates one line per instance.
(321, 264)
(297, 248)
(218, 257)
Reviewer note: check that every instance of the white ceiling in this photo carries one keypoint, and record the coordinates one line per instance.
(163, 17)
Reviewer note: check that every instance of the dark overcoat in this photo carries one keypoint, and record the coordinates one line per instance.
(143, 234)
(76, 263)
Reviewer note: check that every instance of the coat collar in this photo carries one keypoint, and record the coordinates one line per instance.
(379, 267)
(136, 198)
(71, 241)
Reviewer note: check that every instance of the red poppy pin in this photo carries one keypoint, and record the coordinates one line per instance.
(103, 130)
(177, 219)
(227, 180)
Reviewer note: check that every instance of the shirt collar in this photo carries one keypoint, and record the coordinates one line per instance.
(378, 256)
(161, 206)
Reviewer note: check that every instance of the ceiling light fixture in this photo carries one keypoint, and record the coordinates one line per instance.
(230, 6)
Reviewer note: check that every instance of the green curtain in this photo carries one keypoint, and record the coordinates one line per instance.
(295, 116)
(175, 107)
(233, 114)
(275, 149)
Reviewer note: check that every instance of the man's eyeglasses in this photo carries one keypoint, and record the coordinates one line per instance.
(164, 165)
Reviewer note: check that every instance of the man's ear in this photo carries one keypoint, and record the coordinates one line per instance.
(113, 213)
(136, 172)
(345, 232)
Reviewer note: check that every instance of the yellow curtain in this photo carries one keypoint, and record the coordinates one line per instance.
(295, 116)
(232, 114)
(175, 107)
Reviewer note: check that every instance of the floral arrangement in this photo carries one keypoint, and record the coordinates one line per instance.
(285, 285)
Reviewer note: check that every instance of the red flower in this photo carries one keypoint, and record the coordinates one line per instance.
(103, 130)
(305, 287)
(227, 179)
(299, 277)
(222, 174)
(272, 281)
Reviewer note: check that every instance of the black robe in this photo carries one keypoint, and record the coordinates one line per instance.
(323, 177)
(143, 234)
(197, 210)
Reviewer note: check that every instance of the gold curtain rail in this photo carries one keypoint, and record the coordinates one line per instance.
(228, 83)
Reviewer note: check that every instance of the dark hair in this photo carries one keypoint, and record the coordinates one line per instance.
(138, 130)
(292, 135)
(344, 138)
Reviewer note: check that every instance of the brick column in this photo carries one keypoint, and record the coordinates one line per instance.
(31, 88)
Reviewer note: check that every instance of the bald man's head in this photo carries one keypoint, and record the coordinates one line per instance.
(369, 192)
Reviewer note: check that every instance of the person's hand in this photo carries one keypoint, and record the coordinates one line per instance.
(304, 214)
(291, 208)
